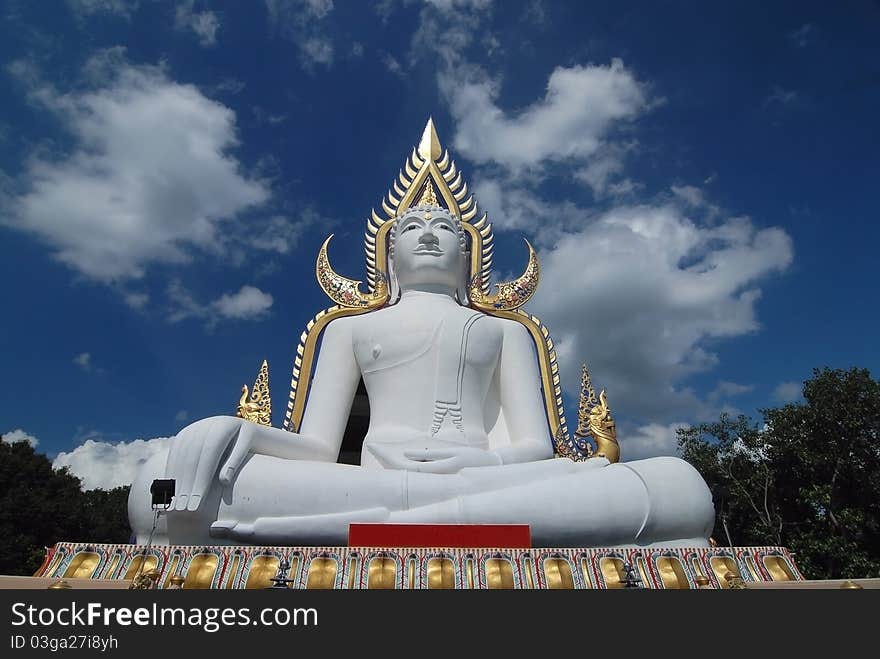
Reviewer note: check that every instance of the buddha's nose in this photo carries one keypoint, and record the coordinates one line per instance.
(428, 237)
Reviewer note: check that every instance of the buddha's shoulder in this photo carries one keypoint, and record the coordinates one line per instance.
(507, 329)
(391, 314)
(511, 329)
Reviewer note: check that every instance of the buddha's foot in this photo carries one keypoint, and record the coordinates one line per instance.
(224, 528)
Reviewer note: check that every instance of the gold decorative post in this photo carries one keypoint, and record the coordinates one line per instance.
(146, 580)
(257, 406)
(61, 584)
(594, 421)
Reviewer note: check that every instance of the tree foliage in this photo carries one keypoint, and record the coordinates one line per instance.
(808, 478)
(40, 506)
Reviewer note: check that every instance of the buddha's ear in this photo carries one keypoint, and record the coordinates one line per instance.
(461, 293)
(393, 284)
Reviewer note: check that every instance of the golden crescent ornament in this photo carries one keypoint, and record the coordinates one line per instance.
(509, 295)
(346, 292)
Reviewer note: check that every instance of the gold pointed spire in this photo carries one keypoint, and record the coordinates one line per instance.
(429, 197)
(429, 147)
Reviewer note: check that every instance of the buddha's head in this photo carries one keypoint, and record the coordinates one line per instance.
(428, 252)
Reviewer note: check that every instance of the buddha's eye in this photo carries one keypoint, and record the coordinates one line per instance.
(444, 227)
(410, 228)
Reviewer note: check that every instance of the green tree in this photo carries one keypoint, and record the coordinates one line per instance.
(808, 478)
(40, 506)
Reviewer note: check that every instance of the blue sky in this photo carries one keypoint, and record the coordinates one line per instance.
(700, 184)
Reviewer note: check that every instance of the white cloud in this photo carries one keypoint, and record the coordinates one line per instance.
(136, 300)
(19, 435)
(726, 389)
(248, 303)
(104, 465)
(449, 6)
(304, 23)
(150, 176)
(514, 207)
(695, 200)
(641, 290)
(637, 288)
(204, 23)
(535, 13)
(124, 8)
(650, 440)
(231, 86)
(599, 173)
(318, 50)
(572, 121)
(282, 234)
(319, 8)
(803, 35)
(392, 64)
(692, 195)
(781, 97)
(265, 117)
(788, 392)
(580, 121)
(84, 361)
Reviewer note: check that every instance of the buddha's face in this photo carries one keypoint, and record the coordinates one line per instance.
(427, 250)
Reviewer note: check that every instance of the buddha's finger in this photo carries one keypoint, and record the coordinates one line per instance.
(385, 457)
(240, 451)
(222, 434)
(392, 459)
(444, 466)
(431, 454)
(185, 461)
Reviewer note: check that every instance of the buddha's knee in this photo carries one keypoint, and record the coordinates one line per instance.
(680, 502)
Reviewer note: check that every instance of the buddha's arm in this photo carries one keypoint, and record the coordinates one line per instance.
(521, 399)
(330, 398)
(334, 383)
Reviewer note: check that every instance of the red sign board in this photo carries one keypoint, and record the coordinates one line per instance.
(513, 536)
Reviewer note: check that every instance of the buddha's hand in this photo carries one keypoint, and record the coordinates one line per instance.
(195, 455)
(432, 460)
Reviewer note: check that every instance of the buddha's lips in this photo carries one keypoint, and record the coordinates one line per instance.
(423, 249)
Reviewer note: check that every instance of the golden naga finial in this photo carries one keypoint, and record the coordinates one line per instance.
(429, 197)
(595, 420)
(257, 406)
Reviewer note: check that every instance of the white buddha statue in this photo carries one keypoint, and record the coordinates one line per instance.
(458, 429)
